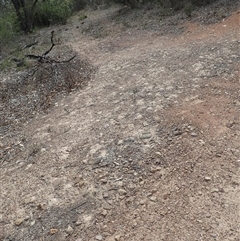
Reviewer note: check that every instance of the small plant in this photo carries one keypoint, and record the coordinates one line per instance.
(34, 149)
(82, 16)
(188, 8)
(52, 11)
(126, 24)
(8, 26)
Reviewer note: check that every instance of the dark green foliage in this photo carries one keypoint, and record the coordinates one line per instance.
(52, 11)
(79, 4)
(8, 24)
(31, 13)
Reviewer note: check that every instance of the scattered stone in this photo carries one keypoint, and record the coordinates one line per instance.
(177, 132)
(79, 222)
(53, 231)
(146, 135)
(129, 139)
(122, 192)
(145, 124)
(104, 181)
(138, 116)
(19, 221)
(155, 169)
(106, 206)
(105, 195)
(120, 142)
(215, 190)
(117, 237)
(202, 142)
(207, 178)
(153, 198)
(69, 230)
(99, 237)
(31, 200)
(142, 201)
(110, 238)
(208, 215)
(158, 153)
(104, 213)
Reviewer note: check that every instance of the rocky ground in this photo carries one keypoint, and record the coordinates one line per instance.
(148, 150)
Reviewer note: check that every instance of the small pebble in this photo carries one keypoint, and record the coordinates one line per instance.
(153, 199)
(69, 230)
(19, 221)
(53, 231)
(99, 237)
(122, 192)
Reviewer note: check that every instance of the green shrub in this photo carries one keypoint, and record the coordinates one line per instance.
(52, 12)
(188, 8)
(8, 26)
(79, 4)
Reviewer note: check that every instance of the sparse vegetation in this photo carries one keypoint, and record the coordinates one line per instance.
(8, 24)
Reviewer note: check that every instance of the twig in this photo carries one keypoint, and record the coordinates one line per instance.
(43, 58)
(51, 46)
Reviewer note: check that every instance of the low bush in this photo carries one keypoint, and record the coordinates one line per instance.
(52, 12)
(8, 26)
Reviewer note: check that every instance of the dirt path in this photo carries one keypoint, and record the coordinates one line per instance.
(148, 151)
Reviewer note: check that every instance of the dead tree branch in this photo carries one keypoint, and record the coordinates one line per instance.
(44, 58)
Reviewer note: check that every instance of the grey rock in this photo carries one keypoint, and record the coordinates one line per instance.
(146, 135)
(122, 192)
(153, 198)
(69, 230)
(19, 221)
(207, 178)
(99, 237)
(193, 134)
(120, 142)
(106, 206)
(105, 195)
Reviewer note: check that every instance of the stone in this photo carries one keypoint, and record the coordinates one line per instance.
(106, 206)
(193, 134)
(117, 237)
(145, 124)
(153, 198)
(207, 178)
(146, 135)
(53, 231)
(215, 190)
(120, 142)
(79, 221)
(122, 192)
(104, 213)
(142, 201)
(105, 195)
(99, 237)
(110, 238)
(19, 221)
(69, 230)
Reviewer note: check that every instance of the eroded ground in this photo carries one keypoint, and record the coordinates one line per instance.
(149, 150)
